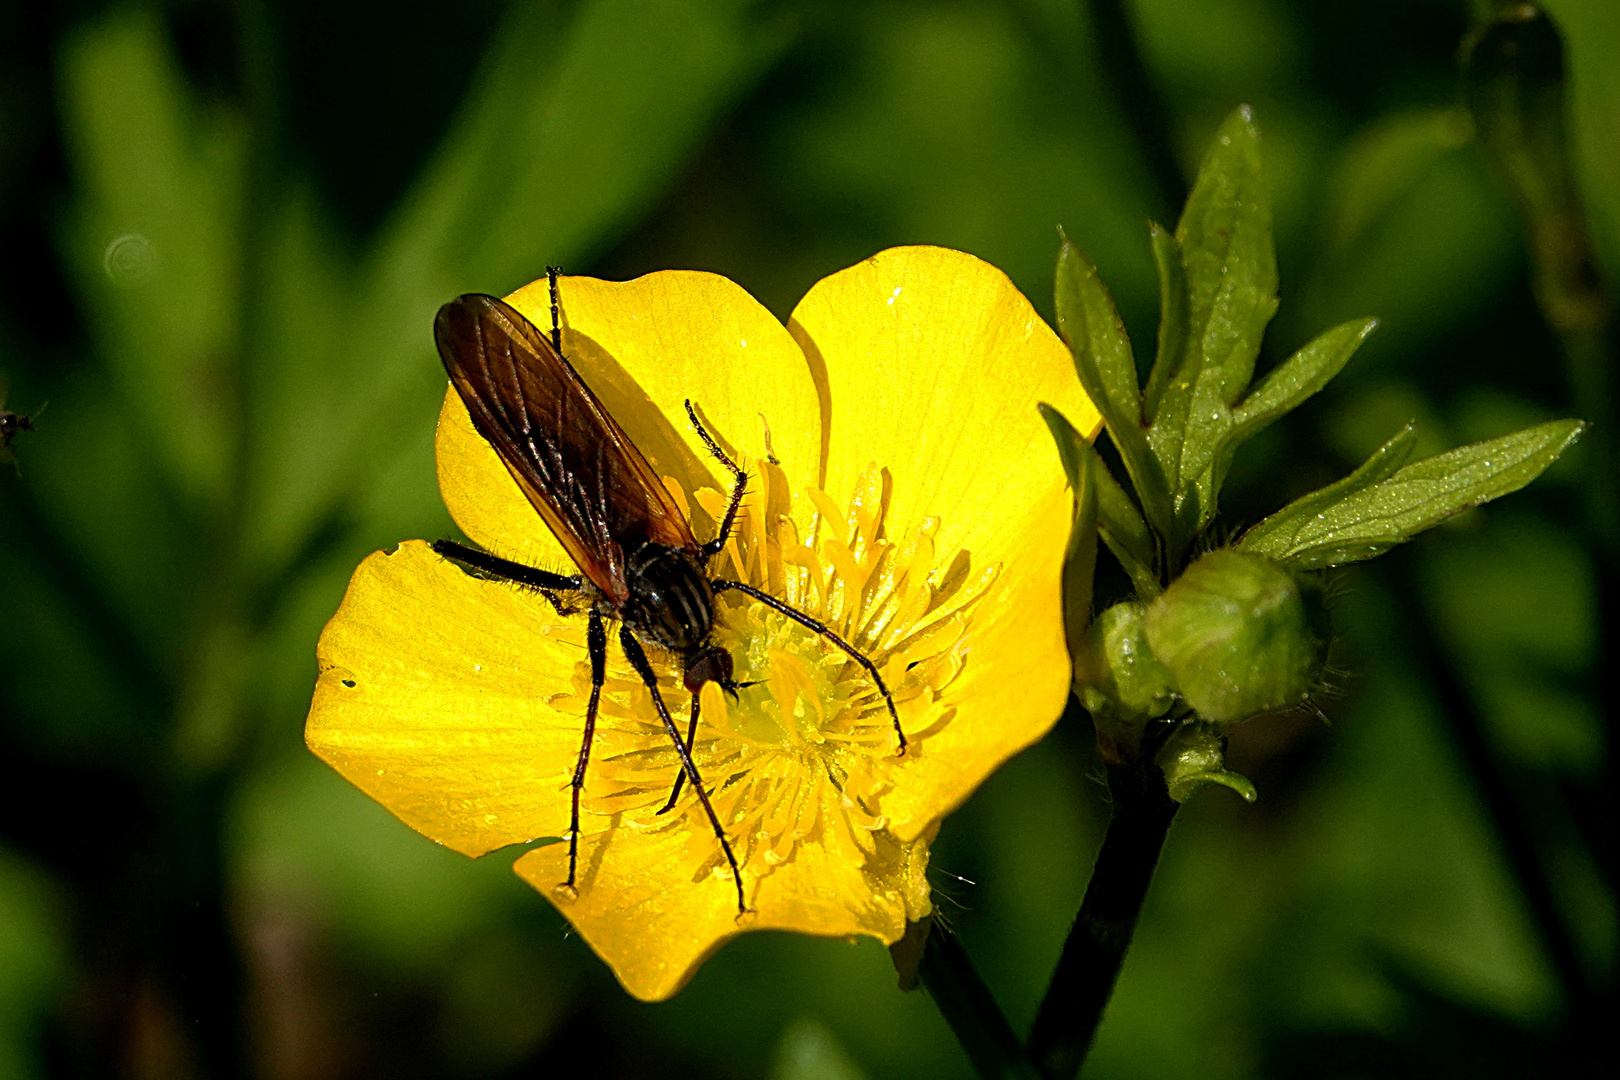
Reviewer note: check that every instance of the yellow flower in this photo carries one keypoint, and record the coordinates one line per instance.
(903, 490)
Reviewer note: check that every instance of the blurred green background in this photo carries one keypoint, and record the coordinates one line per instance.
(224, 228)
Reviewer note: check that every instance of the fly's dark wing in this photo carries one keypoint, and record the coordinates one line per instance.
(574, 462)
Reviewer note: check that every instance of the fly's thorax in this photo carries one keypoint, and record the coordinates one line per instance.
(671, 602)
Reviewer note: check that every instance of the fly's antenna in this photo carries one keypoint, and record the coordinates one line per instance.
(556, 309)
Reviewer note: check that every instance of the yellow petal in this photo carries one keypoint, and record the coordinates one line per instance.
(1011, 689)
(934, 364)
(654, 916)
(432, 699)
(644, 347)
(456, 702)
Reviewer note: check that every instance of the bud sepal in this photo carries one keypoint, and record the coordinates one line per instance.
(1118, 678)
(1193, 758)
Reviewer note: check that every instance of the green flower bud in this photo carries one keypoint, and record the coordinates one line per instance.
(1117, 678)
(1240, 635)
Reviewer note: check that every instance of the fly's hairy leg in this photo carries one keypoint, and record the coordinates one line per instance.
(552, 585)
(680, 777)
(782, 607)
(596, 646)
(638, 660)
(556, 308)
(739, 485)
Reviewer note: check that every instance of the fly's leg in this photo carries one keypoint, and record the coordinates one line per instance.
(739, 485)
(596, 647)
(680, 777)
(730, 686)
(638, 660)
(556, 309)
(552, 585)
(821, 628)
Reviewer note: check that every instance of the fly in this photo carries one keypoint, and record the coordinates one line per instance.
(639, 563)
(10, 424)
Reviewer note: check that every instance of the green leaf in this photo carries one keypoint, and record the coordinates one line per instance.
(1124, 531)
(1298, 377)
(1080, 558)
(1172, 316)
(1286, 387)
(1358, 519)
(1231, 292)
(1088, 321)
(1102, 358)
(1272, 536)
(1071, 445)
(1118, 521)
(154, 242)
(1226, 247)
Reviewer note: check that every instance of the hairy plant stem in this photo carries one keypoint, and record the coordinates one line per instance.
(1096, 946)
(969, 1008)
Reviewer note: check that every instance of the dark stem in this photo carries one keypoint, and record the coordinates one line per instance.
(1516, 85)
(1101, 934)
(968, 1007)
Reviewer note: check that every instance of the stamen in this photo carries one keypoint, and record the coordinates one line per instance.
(806, 753)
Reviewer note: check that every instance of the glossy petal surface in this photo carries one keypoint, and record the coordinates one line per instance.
(934, 361)
(903, 491)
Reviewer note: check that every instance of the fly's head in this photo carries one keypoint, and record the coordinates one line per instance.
(710, 665)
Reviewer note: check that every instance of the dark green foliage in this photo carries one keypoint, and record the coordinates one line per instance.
(1117, 519)
(1218, 292)
(242, 408)
(1375, 509)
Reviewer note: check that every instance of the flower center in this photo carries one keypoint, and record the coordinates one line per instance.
(807, 749)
